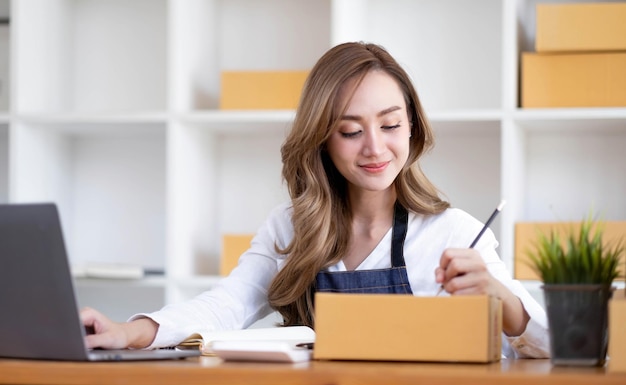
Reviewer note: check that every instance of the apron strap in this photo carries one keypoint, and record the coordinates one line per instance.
(398, 234)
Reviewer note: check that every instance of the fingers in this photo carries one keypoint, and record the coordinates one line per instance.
(104, 341)
(90, 317)
(474, 283)
(462, 272)
(455, 262)
(101, 331)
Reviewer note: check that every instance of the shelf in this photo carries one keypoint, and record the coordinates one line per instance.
(196, 282)
(238, 122)
(101, 283)
(468, 115)
(95, 118)
(81, 126)
(596, 120)
(278, 121)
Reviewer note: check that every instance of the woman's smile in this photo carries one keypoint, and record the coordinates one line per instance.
(375, 168)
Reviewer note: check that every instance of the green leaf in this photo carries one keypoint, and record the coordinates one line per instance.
(581, 257)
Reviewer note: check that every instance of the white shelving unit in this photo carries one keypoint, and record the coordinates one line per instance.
(112, 113)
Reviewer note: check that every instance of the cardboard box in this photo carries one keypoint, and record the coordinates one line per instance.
(396, 327)
(253, 90)
(527, 233)
(233, 245)
(581, 27)
(617, 332)
(573, 80)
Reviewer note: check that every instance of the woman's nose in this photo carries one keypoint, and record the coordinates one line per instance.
(374, 143)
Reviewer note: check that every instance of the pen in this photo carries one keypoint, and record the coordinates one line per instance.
(491, 218)
(482, 231)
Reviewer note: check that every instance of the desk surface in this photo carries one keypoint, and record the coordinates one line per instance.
(211, 370)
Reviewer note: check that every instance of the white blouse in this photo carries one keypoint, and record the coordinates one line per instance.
(241, 298)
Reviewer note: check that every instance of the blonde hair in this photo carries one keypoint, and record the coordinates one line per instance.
(321, 215)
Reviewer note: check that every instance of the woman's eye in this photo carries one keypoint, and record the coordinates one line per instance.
(350, 134)
(391, 127)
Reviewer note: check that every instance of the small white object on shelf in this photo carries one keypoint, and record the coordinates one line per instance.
(108, 271)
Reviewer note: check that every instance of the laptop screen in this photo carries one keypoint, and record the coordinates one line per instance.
(40, 317)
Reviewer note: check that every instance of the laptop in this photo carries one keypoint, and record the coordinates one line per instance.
(39, 312)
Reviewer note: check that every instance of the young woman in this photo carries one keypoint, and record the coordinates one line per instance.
(363, 218)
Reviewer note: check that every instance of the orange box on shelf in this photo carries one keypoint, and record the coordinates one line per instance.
(257, 90)
(527, 233)
(581, 27)
(617, 332)
(573, 80)
(396, 327)
(233, 245)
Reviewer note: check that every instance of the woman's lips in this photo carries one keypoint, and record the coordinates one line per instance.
(374, 167)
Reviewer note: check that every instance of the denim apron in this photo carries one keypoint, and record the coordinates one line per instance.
(393, 280)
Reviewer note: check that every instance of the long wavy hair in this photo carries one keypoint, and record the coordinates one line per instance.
(321, 214)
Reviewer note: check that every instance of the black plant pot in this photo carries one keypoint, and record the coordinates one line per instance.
(578, 322)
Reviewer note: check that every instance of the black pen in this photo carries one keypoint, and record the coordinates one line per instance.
(482, 231)
(491, 218)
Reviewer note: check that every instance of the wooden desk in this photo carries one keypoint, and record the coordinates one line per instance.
(210, 370)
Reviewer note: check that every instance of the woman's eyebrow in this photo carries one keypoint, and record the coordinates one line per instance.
(381, 113)
(388, 110)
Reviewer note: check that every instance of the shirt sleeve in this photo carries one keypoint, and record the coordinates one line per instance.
(239, 300)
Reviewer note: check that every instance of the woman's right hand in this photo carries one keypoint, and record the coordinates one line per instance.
(107, 334)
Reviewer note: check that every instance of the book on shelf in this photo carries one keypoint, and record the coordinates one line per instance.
(271, 344)
(108, 271)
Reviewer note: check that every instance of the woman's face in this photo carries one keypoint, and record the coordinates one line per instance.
(371, 144)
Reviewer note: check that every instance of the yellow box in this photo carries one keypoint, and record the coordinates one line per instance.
(617, 332)
(233, 245)
(396, 327)
(254, 90)
(581, 27)
(573, 80)
(527, 233)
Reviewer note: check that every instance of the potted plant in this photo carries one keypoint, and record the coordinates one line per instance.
(577, 271)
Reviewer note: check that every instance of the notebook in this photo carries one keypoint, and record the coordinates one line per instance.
(40, 316)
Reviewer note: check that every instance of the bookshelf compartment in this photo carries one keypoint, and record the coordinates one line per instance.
(465, 166)
(571, 173)
(211, 36)
(107, 293)
(455, 60)
(250, 180)
(108, 181)
(91, 56)
(236, 182)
